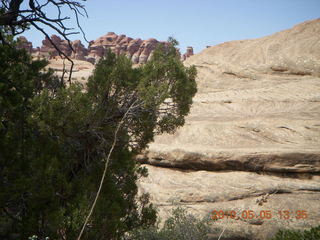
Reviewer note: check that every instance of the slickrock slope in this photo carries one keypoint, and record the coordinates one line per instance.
(257, 110)
(81, 70)
(249, 115)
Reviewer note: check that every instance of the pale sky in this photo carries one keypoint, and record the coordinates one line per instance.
(196, 23)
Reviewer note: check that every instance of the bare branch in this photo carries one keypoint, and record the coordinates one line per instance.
(104, 171)
(62, 54)
(18, 19)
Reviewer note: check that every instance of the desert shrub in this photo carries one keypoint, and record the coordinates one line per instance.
(180, 226)
(311, 234)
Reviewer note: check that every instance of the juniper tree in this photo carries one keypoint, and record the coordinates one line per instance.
(54, 142)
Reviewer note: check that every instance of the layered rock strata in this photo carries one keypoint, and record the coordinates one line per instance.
(252, 139)
(257, 107)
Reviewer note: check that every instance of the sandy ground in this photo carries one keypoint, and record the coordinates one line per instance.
(81, 70)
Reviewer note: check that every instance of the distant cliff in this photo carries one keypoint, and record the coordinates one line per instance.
(138, 50)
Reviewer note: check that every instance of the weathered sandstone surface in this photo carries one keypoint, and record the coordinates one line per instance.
(81, 69)
(248, 115)
(253, 133)
(202, 192)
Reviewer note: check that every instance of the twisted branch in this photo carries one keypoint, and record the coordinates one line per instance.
(18, 20)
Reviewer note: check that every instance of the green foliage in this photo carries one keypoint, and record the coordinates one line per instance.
(25, 158)
(168, 85)
(54, 141)
(311, 234)
(180, 226)
(161, 91)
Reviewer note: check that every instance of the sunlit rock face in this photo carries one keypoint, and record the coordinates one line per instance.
(252, 138)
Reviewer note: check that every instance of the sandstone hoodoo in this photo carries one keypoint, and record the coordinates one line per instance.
(252, 139)
(48, 51)
(189, 53)
(80, 52)
(23, 43)
(138, 50)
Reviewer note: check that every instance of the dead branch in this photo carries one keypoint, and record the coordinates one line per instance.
(104, 171)
(34, 14)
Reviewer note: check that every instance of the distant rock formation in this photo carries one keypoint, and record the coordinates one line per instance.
(23, 43)
(80, 52)
(189, 53)
(138, 50)
(49, 51)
